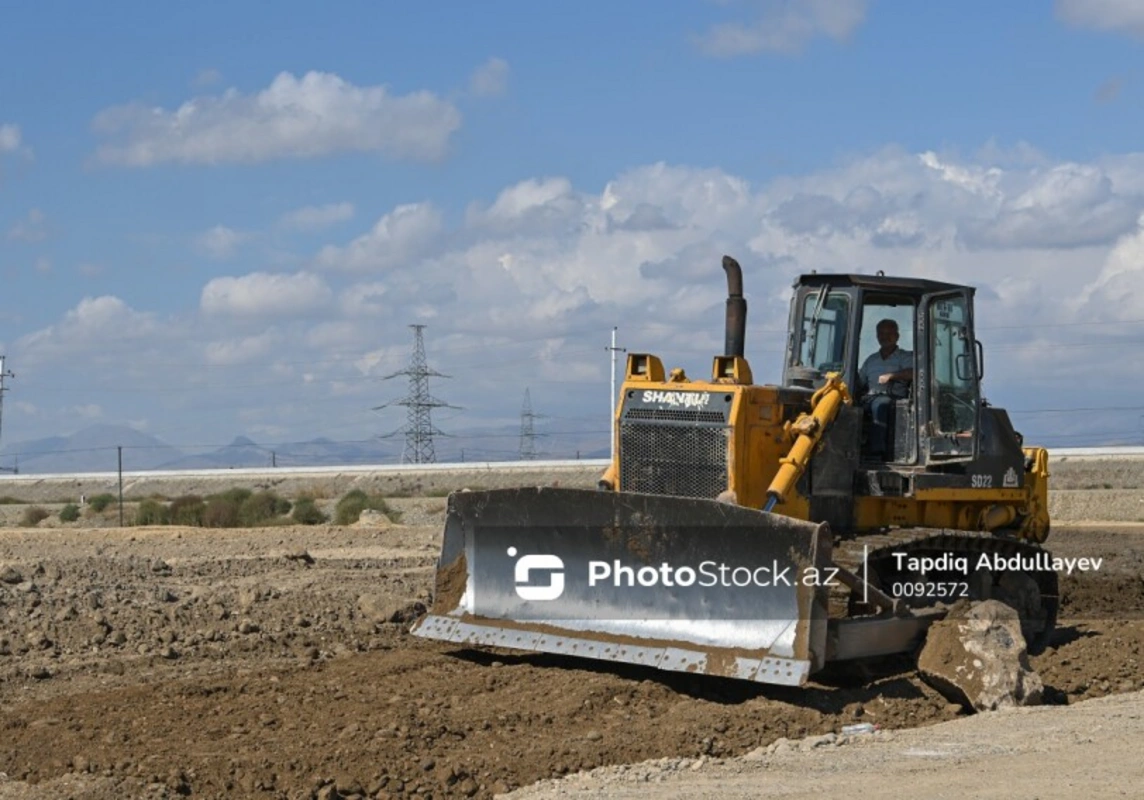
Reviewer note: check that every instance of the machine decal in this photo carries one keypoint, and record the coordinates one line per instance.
(1010, 480)
(981, 481)
(678, 399)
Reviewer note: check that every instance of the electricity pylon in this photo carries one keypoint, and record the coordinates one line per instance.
(418, 428)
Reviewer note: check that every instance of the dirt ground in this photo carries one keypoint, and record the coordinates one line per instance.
(274, 662)
(1090, 750)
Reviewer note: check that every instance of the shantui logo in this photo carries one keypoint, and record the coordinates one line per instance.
(525, 565)
(676, 399)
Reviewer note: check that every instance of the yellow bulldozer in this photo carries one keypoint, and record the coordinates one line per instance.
(761, 532)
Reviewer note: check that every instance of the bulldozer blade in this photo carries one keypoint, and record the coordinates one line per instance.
(680, 584)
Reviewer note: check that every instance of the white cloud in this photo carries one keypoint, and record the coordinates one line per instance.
(333, 335)
(364, 299)
(27, 409)
(9, 138)
(490, 79)
(516, 201)
(206, 77)
(1125, 16)
(783, 26)
(315, 115)
(220, 242)
(1069, 205)
(1117, 292)
(982, 181)
(316, 218)
(263, 294)
(87, 411)
(398, 237)
(32, 228)
(242, 350)
(528, 285)
(93, 323)
(43, 265)
(685, 196)
(533, 204)
(898, 200)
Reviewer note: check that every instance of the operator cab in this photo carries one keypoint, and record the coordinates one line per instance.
(935, 415)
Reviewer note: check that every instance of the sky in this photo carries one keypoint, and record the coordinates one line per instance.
(218, 221)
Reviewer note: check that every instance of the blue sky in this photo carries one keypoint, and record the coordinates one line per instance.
(218, 218)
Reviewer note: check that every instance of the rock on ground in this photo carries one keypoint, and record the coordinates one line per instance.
(977, 656)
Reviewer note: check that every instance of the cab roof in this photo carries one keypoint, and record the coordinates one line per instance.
(878, 282)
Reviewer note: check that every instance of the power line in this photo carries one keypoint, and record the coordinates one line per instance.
(418, 429)
(485, 367)
(502, 364)
(1071, 410)
(527, 433)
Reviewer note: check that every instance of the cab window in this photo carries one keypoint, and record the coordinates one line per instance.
(822, 343)
(874, 311)
(954, 366)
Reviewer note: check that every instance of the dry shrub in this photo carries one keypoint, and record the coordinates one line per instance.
(354, 502)
(33, 516)
(220, 512)
(261, 508)
(152, 512)
(187, 510)
(101, 502)
(306, 512)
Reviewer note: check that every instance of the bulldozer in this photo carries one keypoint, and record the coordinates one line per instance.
(763, 532)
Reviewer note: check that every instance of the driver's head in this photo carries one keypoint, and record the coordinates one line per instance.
(887, 333)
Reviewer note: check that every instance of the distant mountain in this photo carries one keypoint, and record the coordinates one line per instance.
(553, 440)
(325, 452)
(93, 449)
(243, 452)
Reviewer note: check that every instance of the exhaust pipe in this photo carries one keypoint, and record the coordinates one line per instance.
(736, 309)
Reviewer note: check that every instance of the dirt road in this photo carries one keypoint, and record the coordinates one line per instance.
(274, 662)
(1091, 750)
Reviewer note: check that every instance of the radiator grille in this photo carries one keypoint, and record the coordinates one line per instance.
(675, 460)
(675, 415)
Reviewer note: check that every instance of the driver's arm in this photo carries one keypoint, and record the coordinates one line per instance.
(900, 375)
(904, 373)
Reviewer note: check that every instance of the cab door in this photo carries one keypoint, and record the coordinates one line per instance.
(953, 384)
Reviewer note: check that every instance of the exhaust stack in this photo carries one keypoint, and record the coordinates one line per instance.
(736, 309)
